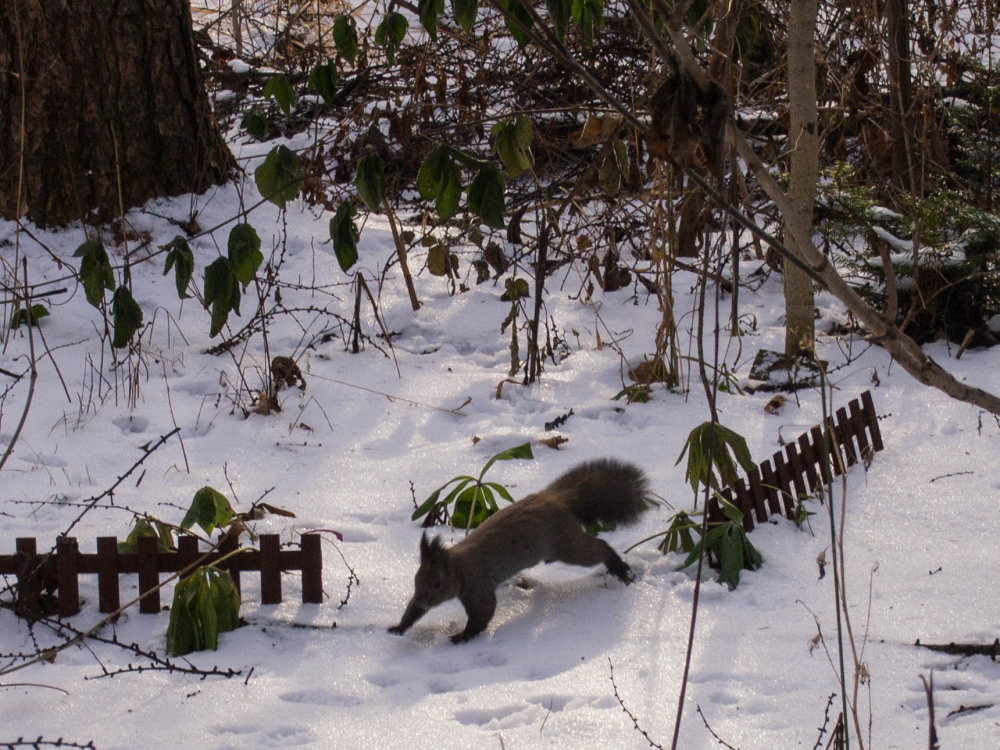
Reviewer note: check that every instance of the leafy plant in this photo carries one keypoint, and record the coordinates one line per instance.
(677, 537)
(725, 543)
(224, 276)
(24, 316)
(147, 526)
(279, 177)
(205, 604)
(472, 500)
(210, 509)
(713, 452)
(96, 274)
(345, 37)
(344, 233)
(181, 259)
(279, 89)
(323, 78)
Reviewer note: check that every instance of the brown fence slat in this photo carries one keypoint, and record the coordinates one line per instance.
(857, 418)
(66, 576)
(742, 498)
(807, 455)
(772, 490)
(757, 494)
(871, 420)
(108, 595)
(797, 466)
(148, 569)
(233, 564)
(270, 569)
(29, 578)
(784, 481)
(845, 435)
(312, 568)
(187, 552)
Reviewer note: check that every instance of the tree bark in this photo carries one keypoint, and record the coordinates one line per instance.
(102, 108)
(804, 171)
(901, 89)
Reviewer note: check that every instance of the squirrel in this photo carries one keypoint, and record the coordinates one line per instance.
(545, 526)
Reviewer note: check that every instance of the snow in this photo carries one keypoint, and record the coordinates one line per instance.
(920, 536)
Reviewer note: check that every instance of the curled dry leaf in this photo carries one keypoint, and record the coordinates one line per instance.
(554, 442)
(774, 405)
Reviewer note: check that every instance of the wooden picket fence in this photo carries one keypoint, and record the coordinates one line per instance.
(57, 572)
(775, 485)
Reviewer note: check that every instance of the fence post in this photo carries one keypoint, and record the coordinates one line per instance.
(149, 574)
(312, 568)
(234, 563)
(67, 569)
(29, 579)
(108, 597)
(270, 569)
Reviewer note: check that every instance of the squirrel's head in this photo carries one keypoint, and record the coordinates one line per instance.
(435, 581)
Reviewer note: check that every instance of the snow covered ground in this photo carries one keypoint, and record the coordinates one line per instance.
(921, 530)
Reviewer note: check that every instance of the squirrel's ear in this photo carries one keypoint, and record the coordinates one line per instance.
(431, 549)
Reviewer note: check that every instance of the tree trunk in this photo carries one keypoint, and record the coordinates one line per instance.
(804, 147)
(901, 88)
(102, 107)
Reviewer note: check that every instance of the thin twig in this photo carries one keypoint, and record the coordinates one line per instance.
(635, 721)
(33, 377)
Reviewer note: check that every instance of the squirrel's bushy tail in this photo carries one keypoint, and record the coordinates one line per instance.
(605, 490)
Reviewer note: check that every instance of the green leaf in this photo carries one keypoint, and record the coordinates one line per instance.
(427, 505)
(513, 144)
(127, 317)
(500, 490)
(254, 123)
(449, 192)
(279, 177)
(428, 11)
(148, 527)
(390, 33)
(517, 18)
(560, 12)
(279, 89)
(244, 253)
(95, 271)
(515, 289)
(210, 509)
(344, 233)
(221, 293)
(323, 79)
(205, 604)
(522, 452)
(678, 537)
(486, 196)
(589, 16)
(181, 259)
(465, 12)
(711, 449)
(613, 167)
(439, 179)
(441, 261)
(370, 182)
(23, 316)
(345, 37)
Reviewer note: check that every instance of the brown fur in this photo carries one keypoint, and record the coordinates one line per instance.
(543, 527)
